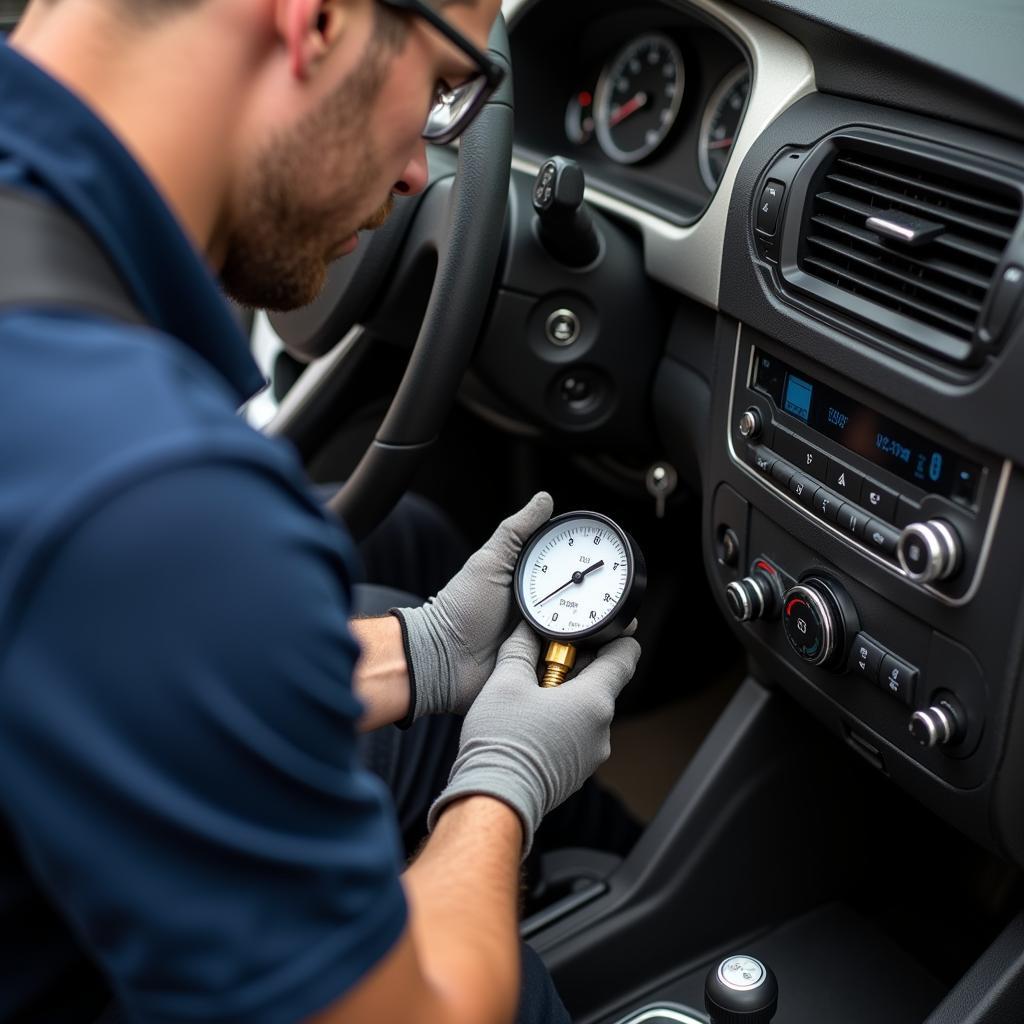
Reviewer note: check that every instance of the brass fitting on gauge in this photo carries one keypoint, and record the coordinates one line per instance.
(558, 660)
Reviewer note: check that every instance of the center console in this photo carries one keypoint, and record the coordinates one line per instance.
(863, 488)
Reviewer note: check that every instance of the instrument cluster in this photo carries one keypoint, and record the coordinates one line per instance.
(650, 104)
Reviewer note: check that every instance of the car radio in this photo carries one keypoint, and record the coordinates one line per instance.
(923, 507)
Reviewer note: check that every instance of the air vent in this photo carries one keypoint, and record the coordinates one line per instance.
(905, 242)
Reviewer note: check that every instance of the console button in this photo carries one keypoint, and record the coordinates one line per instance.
(866, 657)
(826, 504)
(881, 537)
(878, 500)
(844, 481)
(782, 472)
(804, 488)
(768, 207)
(761, 459)
(899, 679)
(806, 458)
(852, 519)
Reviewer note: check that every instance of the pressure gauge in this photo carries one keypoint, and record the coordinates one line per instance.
(580, 579)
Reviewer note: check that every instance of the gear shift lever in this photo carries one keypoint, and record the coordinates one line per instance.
(566, 228)
(741, 990)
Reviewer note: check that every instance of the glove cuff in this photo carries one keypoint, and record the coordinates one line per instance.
(410, 715)
(497, 783)
(428, 662)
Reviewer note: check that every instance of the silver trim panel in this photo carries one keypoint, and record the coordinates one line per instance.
(986, 546)
(689, 259)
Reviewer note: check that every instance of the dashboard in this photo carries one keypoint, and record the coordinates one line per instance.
(847, 204)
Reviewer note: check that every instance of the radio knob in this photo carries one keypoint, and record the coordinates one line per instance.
(817, 617)
(929, 551)
(753, 597)
(751, 425)
(939, 725)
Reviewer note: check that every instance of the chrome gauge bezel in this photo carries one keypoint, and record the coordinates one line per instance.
(724, 87)
(603, 92)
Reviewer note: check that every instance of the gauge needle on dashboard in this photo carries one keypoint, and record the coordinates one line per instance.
(576, 577)
(720, 144)
(620, 113)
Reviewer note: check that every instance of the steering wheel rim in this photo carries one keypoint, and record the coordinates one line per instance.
(468, 247)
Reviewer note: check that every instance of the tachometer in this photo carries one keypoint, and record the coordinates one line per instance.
(720, 124)
(638, 98)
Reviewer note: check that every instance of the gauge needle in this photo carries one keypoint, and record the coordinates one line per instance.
(620, 113)
(720, 144)
(576, 577)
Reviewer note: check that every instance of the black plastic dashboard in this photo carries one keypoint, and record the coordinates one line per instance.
(900, 342)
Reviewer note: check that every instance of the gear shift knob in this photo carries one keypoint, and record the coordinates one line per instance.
(565, 226)
(741, 990)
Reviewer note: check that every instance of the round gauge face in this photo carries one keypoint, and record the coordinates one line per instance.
(638, 98)
(576, 576)
(720, 125)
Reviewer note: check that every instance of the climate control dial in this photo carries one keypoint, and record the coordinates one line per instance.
(818, 617)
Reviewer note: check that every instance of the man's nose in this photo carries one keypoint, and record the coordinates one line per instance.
(414, 177)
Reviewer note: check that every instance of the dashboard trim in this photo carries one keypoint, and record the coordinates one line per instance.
(998, 500)
(689, 258)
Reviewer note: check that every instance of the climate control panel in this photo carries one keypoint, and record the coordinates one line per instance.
(821, 627)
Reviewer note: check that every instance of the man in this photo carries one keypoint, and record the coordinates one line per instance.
(183, 815)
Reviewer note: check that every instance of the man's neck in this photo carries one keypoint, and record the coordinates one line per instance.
(158, 89)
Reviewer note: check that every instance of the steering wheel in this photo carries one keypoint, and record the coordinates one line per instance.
(462, 220)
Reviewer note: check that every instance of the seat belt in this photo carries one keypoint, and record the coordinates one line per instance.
(48, 259)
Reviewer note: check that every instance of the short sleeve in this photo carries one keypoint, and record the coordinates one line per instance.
(177, 743)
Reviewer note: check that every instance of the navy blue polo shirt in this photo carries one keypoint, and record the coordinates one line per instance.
(183, 820)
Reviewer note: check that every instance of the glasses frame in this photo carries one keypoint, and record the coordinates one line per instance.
(492, 73)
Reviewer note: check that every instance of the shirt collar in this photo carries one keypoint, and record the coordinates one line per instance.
(68, 151)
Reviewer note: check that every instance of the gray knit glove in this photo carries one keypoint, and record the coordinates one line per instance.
(452, 640)
(532, 747)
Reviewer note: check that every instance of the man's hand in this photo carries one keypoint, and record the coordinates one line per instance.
(532, 747)
(451, 642)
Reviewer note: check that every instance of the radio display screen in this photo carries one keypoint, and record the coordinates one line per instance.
(860, 429)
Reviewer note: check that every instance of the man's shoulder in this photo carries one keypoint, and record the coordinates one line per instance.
(83, 395)
(95, 408)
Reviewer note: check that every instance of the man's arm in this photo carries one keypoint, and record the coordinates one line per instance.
(458, 961)
(522, 747)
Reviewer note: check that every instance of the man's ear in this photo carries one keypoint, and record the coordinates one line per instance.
(308, 28)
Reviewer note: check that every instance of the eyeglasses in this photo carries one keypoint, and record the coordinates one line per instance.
(454, 108)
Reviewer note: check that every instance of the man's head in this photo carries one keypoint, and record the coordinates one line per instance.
(307, 116)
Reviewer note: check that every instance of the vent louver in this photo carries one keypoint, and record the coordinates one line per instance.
(908, 236)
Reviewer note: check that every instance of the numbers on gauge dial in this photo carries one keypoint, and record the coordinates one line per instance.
(576, 575)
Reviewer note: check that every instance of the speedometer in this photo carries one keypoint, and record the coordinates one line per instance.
(720, 124)
(638, 98)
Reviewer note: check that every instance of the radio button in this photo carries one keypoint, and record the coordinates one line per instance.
(881, 537)
(806, 458)
(878, 500)
(761, 459)
(852, 520)
(826, 504)
(844, 481)
(782, 473)
(803, 488)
